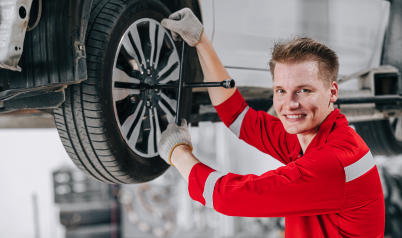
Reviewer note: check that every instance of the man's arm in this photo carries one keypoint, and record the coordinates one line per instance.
(316, 183)
(185, 25)
(260, 130)
(213, 70)
(183, 160)
(309, 186)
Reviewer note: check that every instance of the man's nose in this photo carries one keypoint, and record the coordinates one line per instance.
(291, 102)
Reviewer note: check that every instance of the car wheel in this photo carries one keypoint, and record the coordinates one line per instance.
(109, 130)
(383, 137)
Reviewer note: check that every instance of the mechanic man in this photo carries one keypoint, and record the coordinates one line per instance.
(330, 186)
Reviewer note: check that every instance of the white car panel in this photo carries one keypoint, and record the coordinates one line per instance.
(245, 31)
(354, 28)
(252, 78)
(207, 13)
(376, 58)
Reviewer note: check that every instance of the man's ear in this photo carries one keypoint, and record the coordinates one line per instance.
(334, 92)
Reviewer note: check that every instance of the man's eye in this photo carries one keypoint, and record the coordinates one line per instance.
(280, 91)
(304, 91)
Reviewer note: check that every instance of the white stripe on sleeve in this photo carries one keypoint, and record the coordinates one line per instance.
(360, 167)
(236, 125)
(209, 188)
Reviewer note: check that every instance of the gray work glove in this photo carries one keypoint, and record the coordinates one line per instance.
(173, 136)
(184, 24)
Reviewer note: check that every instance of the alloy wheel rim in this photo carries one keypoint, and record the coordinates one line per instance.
(146, 54)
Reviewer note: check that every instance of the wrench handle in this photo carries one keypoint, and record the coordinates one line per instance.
(181, 82)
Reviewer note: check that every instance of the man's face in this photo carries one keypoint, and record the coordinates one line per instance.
(301, 99)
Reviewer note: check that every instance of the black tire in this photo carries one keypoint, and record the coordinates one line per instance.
(380, 136)
(94, 231)
(86, 214)
(86, 122)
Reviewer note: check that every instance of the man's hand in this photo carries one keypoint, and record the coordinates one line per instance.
(184, 24)
(172, 137)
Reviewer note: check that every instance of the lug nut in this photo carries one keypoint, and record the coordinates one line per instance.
(133, 99)
(148, 103)
(148, 71)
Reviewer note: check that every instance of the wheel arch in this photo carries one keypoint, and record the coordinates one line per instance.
(53, 52)
(81, 10)
(392, 54)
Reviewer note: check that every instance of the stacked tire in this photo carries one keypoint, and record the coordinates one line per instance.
(91, 220)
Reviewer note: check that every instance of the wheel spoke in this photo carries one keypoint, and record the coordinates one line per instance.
(172, 60)
(159, 42)
(128, 123)
(132, 44)
(135, 40)
(151, 146)
(120, 75)
(172, 103)
(169, 115)
(153, 37)
(121, 93)
(171, 75)
(157, 126)
(136, 132)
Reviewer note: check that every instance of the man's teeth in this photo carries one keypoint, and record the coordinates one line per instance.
(294, 116)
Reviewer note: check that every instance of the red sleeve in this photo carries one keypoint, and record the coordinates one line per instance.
(257, 128)
(312, 185)
(196, 181)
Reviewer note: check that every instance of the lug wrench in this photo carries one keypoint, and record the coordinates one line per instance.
(228, 83)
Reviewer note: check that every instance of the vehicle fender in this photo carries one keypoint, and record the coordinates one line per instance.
(54, 51)
(392, 54)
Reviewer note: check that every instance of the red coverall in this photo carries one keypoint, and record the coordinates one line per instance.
(333, 190)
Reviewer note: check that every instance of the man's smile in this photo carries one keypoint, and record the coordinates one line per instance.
(294, 116)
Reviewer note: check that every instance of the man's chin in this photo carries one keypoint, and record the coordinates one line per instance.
(293, 130)
(293, 127)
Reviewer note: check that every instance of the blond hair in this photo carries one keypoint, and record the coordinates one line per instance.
(300, 49)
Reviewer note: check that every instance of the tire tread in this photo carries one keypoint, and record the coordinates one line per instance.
(82, 135)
